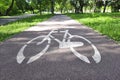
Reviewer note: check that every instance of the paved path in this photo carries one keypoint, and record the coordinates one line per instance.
(14, 18)
(59, 49)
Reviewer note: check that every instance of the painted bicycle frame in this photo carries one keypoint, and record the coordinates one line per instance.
(65, 43)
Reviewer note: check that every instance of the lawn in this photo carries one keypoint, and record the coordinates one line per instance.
(107, 23)
(4, 16)
(13, 28)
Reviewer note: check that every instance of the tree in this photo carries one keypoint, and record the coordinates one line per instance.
(105, 2)
(115, 5)
(98, 5)
(2, 7)
(52, 6)
(9, 8)
(82, 3)
(78, 5)
(21, 5)
(61, 4)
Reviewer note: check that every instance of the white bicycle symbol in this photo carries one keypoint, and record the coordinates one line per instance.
(65, 43)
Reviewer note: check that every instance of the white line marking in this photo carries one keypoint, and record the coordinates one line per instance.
(55, 39)
(46, 38)
(96, 56)
(33, 58)
(82, 57)
(34, 39)
(65, 36)
(70, 44)
(20, 56)
(65, 43)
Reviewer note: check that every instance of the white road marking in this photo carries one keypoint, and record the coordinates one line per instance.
(20, 56)
(33, 58)
(56, 39)
(96, 56)
(65, 43)
(70, 44)
(46, 38)
(82, 57)
(65, 36)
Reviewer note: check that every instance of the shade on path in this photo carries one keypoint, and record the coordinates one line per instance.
(59, 49)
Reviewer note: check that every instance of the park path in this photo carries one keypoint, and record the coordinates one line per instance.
(59, 63)
(14, 18)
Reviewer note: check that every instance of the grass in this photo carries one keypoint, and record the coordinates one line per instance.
(4, 16)
(6, 31)
(107, 23)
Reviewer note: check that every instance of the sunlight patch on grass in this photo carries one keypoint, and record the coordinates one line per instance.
(4, 16)
(107, 23)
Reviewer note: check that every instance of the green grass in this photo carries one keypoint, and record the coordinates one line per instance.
(13, 28)
(107, 24)
(4, 16)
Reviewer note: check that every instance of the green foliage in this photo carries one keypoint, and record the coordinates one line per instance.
(78, 5)
(4, 4)
(14, 10)
(115, 5)
(58, 5)
(21, 4)
(107, 24)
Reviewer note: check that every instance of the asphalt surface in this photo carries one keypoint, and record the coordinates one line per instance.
(14, 18)
(59, 63)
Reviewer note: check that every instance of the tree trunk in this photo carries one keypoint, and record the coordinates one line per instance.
(10, 8)
(52, 6)
(104, 8)
(105, 5)
(61, 10)
(81, 9)
(77, 11)
(40, 8)
(81, 6)
(0, 13)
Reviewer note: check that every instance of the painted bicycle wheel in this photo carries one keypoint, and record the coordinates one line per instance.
(96, 54)
(20, 56)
